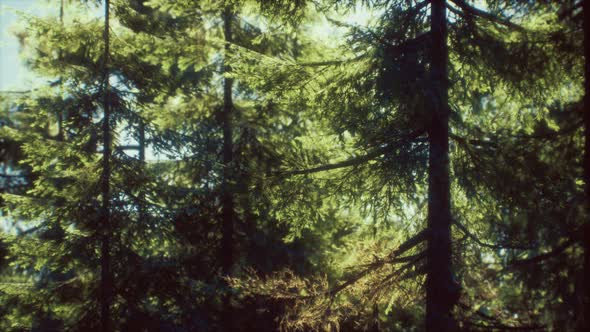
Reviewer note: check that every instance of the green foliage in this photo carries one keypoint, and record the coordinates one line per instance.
(329, 170)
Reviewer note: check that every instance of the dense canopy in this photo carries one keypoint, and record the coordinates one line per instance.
(298, 165)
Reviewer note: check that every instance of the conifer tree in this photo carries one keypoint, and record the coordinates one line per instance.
(202, 178)
(70, 237)
(389, 115)
(211, 165)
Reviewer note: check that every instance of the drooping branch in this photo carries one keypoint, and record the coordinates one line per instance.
(13, 176)
(551, 135)
(410, 12)
(504, 327)
(17, 92)
(346, 163)
(540, 136)
(21, 232)
(330, 62)
(474, 237)
(539, 258)
(410, 243)
(356, 160)
(493, 323)
(411, 261)
(393, 259)
(395, 48)
(472, 11)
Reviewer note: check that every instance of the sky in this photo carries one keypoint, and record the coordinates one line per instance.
(13, 72)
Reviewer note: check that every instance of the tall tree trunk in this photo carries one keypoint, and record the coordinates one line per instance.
(141, 142)
(226, 120)
(141, 156)
(441, 290)
(584, 321)
(227, 199)
(106, 282)
(60, 113)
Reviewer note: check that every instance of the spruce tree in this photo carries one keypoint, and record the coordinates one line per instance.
(211, 165)
(83, 268)
(238, 122)
(391, 98)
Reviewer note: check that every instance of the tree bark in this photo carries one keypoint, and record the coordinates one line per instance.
(441, 288)
(141, 156)
(584, 320)
(141, 142)
(106, 281)
(60, 113)
(227, 199)
(227, 195)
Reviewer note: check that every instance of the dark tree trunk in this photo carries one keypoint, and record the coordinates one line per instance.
(227, 195)
(227, 199)
(441, 289)
(584, 321)
(141, 156)
(61, 112)
(141, 142)
(375, 326)
(106, 281)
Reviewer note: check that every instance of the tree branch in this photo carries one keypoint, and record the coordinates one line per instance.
(353, 161)
(539, 258)
(13, 176)
(484, 244)
(410, 243)
(346, 163)
(497, 325)
(411, 12)
(470, 10)
(329, 62)
(404, 247)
